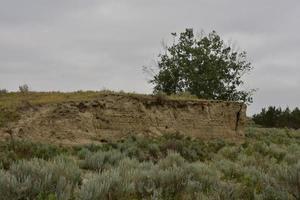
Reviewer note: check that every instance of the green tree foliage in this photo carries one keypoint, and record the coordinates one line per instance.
(276, 117)
(24, 88)
(203, 66)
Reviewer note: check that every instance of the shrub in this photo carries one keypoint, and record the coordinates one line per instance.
(252, 181)
(38, 178)
(83, 153)
(191, 150)
(102, 160)
(271, 193)
(289, 177)
(230, 152)
(263, 167)
(134, 152)
(277, 152)
(9, 186)
(127, 166)
(91, 147)
(154, 151)
(28, 149)
(215, 145)
(226, 191)
(230, 170)
(173, 159)
(7, 158)
(24, 149)
(166, 180)
(245, 160)
(293, 155)
(7, 116)
(107, 185)
(66, 167)
(24, 88)
(173, 182)
(261, 147)
(146, 180)
(202, 178)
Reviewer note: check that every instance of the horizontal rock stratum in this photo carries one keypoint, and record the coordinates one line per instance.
(112, 116)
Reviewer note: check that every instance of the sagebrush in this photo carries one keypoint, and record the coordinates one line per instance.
(265, 166)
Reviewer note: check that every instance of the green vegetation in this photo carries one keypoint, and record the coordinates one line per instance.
(24, 149)
(265, 166)
(8, 115)
(204, 66)
(12, 102)
(16, 99)
(24, 88)
(278, 118)
(3, 91)
(19, 99)
(38, 179)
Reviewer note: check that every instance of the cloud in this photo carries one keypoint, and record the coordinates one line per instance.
(75, 44)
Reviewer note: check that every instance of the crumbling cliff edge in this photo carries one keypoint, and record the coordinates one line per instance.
(113, 116)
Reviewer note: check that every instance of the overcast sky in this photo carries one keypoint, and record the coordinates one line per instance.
(94, 44)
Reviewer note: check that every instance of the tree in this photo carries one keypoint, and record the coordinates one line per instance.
(203, 66)
(24, 88)
(276, 117)
(3, 91)
(295, 115)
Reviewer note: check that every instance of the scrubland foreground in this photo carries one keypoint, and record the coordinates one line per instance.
(265, 166)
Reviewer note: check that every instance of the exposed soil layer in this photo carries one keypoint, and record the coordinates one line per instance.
(113, 116)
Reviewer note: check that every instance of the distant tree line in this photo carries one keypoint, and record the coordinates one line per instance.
(279, 118)
(22, 88)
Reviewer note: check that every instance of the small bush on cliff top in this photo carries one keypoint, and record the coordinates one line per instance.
(24, 88)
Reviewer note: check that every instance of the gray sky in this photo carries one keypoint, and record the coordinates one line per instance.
(94, 44)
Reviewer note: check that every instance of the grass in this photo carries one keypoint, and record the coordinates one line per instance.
(8, 115)
(24, 149)
(15, 99)
(12, 102)
(265, 166)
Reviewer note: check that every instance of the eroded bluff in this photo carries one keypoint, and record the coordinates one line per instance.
(112, 117)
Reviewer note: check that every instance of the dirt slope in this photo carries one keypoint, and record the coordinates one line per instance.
(113, 116)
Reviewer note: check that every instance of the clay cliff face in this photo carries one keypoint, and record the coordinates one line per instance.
(111, 117)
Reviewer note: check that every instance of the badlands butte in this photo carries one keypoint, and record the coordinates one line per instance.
(95, 117)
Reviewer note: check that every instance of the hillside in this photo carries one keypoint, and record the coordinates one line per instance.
(119, 146)
(85, 117)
